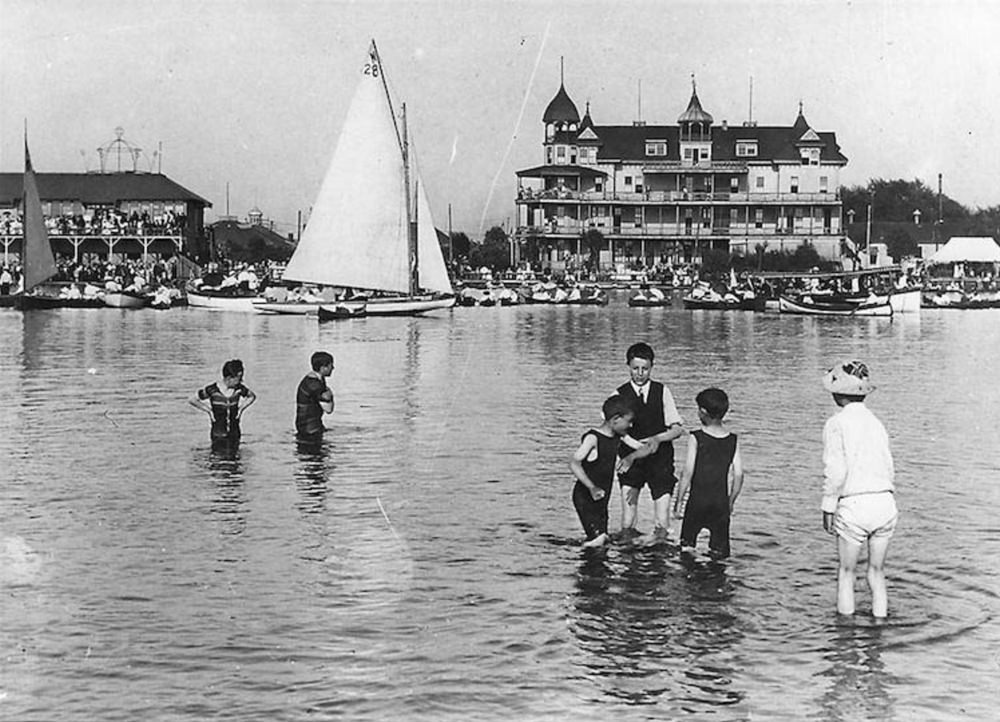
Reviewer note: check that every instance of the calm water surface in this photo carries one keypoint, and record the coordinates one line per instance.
(424, 562)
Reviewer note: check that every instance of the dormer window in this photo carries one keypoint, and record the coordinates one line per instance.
(656, 148)
(746, 149)
(810, 156)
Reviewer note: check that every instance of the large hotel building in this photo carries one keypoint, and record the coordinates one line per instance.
(665, 193)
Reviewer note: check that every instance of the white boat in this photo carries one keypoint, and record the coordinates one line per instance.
(222, 302)
(808, 308)
(371, 229)
(124, 299)
(906, 300)
(287, 308)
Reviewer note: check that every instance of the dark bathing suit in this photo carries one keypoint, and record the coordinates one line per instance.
(594, 514)
(225, 411)
(308, 412)
(708, 503)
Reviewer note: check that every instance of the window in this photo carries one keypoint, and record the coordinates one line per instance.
(572, 155)
(758, 217)
(628, 180)
(746, 148)
(760, 182)
(560, 152)
(548, 155)
(734, 184)
(599, 185)
(794, 185)
(823, 184)
(688, 153)
(656, 147)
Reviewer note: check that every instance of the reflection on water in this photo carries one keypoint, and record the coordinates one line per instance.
(859, 685)
(657, 627)
(402, 567)
(312, 473)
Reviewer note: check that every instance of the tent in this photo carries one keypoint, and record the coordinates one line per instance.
(967, 249)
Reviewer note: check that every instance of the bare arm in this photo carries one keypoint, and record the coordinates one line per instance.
(201, 404)
(737, 469)
(588, 445)
(326, 401)
(248, 398)
(686, 473)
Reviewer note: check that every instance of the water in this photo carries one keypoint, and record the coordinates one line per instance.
(424, 564)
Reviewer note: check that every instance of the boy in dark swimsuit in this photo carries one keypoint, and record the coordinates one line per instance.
(713, 458)
(225, 403)
(313, 398)
(593, 464)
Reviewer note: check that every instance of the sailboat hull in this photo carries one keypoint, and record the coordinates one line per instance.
(399, 306)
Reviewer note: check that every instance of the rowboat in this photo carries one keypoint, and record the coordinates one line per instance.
(125, 299)
(805, 306)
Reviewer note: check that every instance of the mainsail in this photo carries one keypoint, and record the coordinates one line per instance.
(36, 253)
(357, 234)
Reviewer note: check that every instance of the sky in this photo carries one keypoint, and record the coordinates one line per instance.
(249, 95)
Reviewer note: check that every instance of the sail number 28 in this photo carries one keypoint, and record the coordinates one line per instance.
(371, 69)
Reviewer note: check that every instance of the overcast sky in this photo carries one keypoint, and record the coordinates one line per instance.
(252, 92)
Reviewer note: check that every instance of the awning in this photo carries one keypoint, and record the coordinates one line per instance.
(552, 171)
(967, 249)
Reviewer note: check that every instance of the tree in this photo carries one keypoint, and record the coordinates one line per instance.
(900, 244)
(593, 241)
(493, 252)
(459, 244)
(714, 263)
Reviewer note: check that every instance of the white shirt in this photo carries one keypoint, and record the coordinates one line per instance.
(670, 413)
(856, 456)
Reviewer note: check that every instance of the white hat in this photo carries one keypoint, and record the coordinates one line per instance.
(850, 378)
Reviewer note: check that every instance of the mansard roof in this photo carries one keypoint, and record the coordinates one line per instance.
(774, 143)
(98, 188)
(561, 109)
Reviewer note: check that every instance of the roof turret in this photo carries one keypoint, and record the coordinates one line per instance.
(694, 113)
(801, 126)
(561, 109)
(587, 121)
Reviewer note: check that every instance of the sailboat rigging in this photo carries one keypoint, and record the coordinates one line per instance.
(39, 265)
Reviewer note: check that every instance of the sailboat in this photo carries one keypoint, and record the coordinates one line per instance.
(37, 260)
(371, 229)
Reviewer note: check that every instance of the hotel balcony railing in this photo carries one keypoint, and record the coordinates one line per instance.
(558, 196)
(576, 228)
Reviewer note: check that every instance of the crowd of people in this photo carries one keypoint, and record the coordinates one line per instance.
(102, 222)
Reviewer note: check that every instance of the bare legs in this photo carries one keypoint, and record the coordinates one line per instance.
(630, 505)
(849, 552)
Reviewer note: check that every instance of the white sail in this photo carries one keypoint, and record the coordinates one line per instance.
(433, 275)
(357, 235)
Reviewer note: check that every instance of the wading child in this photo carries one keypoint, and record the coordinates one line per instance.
(713, 471)
(225, 402)
(313, 398)
(858, 502)
(656, 425)
(593, 464)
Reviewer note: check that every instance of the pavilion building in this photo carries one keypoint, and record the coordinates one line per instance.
(662, 194)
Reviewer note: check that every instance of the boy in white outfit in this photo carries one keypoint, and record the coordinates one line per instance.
(858, 501)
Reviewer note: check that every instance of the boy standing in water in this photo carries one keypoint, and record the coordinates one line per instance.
(858, 502)
(656, 425)
(713, 458)
(225, 403)
(593, 465)
(313, 398)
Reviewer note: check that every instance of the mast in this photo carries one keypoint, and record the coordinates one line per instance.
(411, 212)
(402, 138)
